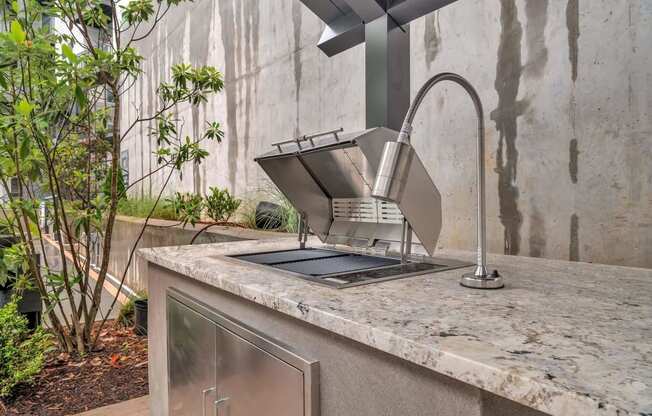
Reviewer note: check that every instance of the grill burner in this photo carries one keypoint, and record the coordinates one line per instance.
(341, 269)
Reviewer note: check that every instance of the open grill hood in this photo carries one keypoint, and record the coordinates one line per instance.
(329, 178)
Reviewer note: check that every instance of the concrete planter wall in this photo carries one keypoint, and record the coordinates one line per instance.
(160, 233)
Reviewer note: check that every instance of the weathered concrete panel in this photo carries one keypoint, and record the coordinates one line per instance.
(567, 91)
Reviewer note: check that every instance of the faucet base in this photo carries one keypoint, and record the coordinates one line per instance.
(488, 281)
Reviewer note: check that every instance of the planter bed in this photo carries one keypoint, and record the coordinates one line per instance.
(70, 385)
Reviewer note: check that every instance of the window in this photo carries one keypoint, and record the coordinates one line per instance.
(124, 165)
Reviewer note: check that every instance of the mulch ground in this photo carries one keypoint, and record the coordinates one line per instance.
(69, 385)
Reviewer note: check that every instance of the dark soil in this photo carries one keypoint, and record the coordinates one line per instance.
(69, 385)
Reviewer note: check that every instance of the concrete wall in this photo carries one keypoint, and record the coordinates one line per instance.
(567, 91)
(160, 233)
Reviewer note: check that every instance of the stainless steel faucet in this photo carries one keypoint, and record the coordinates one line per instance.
(394, 166)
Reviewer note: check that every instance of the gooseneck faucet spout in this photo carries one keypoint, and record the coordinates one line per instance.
(395, 161)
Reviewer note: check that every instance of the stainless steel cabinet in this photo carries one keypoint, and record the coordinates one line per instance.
(218, 367)
(191, 360)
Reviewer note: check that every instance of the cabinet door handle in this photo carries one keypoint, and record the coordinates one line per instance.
(219, 403)
(203, 399)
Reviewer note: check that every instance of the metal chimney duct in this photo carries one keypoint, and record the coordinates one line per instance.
(383, 26)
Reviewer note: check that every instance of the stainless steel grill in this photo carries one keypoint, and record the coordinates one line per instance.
(328, 178)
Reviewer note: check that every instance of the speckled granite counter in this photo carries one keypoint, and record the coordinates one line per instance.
(563, 338)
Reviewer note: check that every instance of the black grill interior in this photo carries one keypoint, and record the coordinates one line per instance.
(336, 268)
(336, 264)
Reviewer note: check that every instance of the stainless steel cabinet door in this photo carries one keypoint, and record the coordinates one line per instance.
(251, 382)
(191, 361)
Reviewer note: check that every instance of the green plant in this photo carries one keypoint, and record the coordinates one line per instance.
(220, 204)
(121, 187)
(288, 215)
(143, 207)
(58, 135)
(13, 262)
(22, 354)
(127, 310)
(187, 207)
(248, 213)
(126, 313)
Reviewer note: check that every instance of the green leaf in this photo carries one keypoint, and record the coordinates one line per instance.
(81, 97)
(24, 149)
(17, 33)
(68, 53)
(29, 209)
(24, 107)
(15, 7)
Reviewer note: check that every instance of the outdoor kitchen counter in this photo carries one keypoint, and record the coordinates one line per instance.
(563, 338)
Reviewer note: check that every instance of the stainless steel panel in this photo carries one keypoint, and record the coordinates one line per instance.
(331, 168)
(191, 361)
(368, 10)
(404, 11)
(341, 34)
(344, 172)
(255, 382)
(326, 10)
(366, 210)
(387, 73)
(301, 189)
(420, 202)
(253, 375)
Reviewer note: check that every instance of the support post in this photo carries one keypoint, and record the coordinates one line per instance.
(387, 73)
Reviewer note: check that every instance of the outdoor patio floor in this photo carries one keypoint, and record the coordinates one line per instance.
(135, 407)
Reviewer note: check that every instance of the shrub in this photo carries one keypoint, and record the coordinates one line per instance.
(220, 204)
(187, 207)
(141, 207)
(126, 314)
(127, 311)
(22, 354)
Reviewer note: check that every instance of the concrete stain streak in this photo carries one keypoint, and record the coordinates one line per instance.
(251, 22)
(572, 163)
(537, 232)
(228, 34)
(196, 175)
(432, 37)
(536, 12)
(573, 26)
(141, 127)
(201, 16)
(574, 246)
(296, 57)
(508, 75)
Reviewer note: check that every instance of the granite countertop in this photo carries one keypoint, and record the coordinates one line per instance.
(563, 338)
